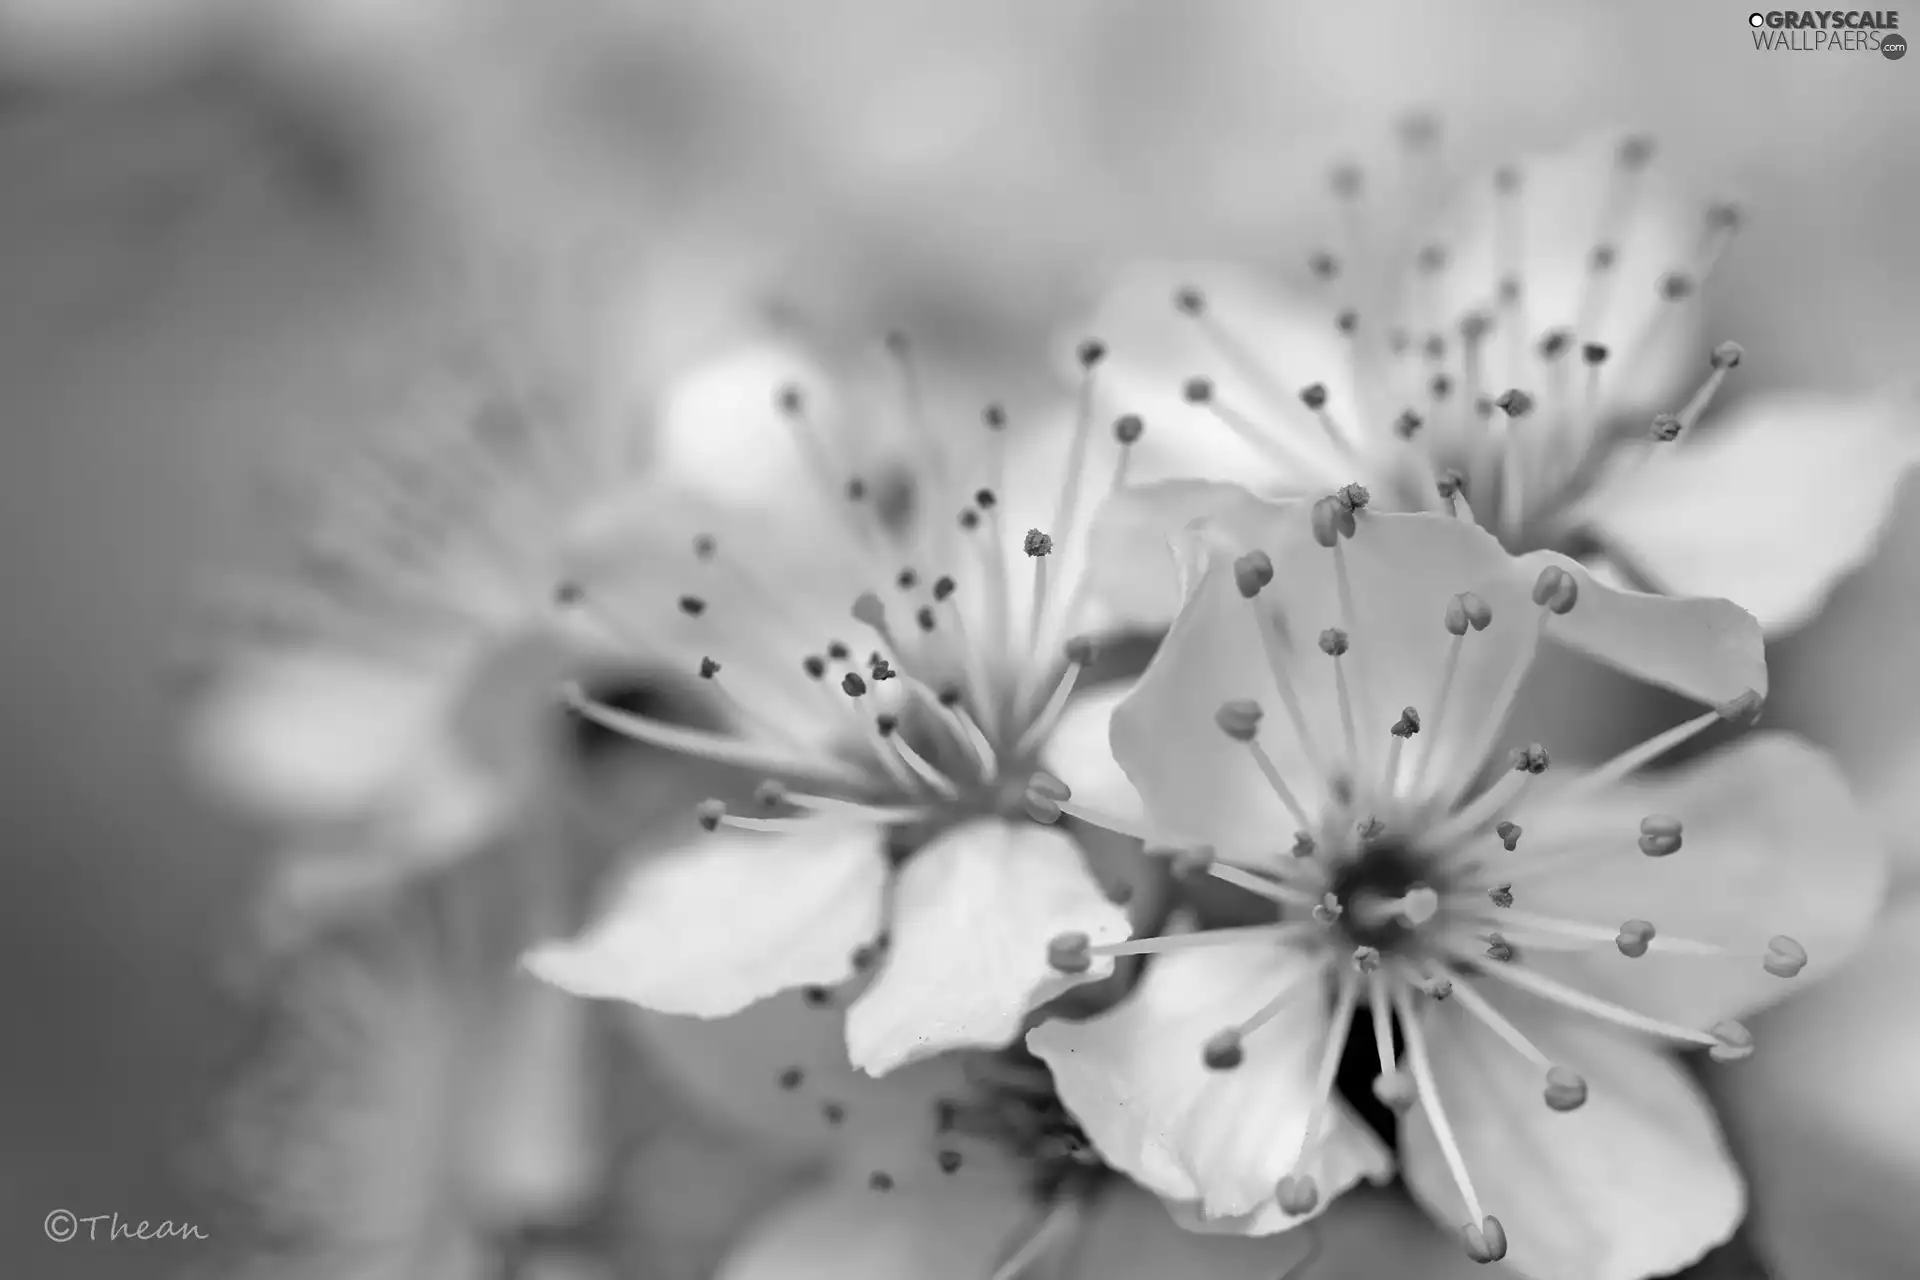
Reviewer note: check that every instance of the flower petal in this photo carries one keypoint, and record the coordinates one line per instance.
(1135, 1079)
(1773, 843)
(1404, 571)
(709, 928)
(1079, 751)
(973, 912)
(1825, 1114)
(849, 1232)
(1769, 510)
(1635, 1183)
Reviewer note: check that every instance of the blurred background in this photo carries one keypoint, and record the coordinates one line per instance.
(204, 203)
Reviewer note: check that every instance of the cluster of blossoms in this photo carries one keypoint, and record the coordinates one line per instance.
(978, 840)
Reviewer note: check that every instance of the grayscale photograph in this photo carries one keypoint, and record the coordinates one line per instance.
(915, 640)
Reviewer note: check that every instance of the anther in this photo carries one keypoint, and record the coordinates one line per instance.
(1634, 938)
(1785, 958)
(853, 685)
(985, 499)
(1190, 300)
(1081, 650)
(1223, 1051)
(709, 668)
(1332, 520)
(1369, 828)
(1252, 572)
(1498, 948)
(1239, 719)
(1506, 179)
(770, 794)
(1347, 321)
(789, 399)
(1635, 151)
(1303, 845)
(856, 490)
(994, 417)
(1509, 289)
(709, 812)
(1602, 257)
(880, 1180)
(1324, 266)
(1728, 355)
(692, 606)
(1531, 759)
(1743, 710)
(814, 665)
(1346, 180)
(896, 342)
(1366, 959)
(838, 651)
(1297, 1195)
(1468, 610)
(1091, 352)
(924, 618)
(1566, 1090)
(1128, 428)
(1197, 390)
(1735, 1042)
(790, 1078)
(568, 594)
(1395, 1090)
(1408, 424)
(1676, 286)
(1434, 347)
(1070, 953)
(942, 587)
(1659, 835)
(887, 723)
(1314, 395)
(1474, 326)
(1449, 482)
(1501, 895)
(1723, 215)
(1407, 725)
(1555, 344)
(1440, 386)
(950, 696)
(949, 1161)
(817, 997)
(1514, 402)
(1556, 590)
(1666, 427)
(1486, 1242)
(1037, 544)
(1328, 909)
(1352, 497)
(1431, 257)
(880, 670)
(1419, 130)
(970, 519)
(1594, 353)
(1333, 642)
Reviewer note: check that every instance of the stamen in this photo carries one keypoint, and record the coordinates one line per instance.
(1538, 984)
(1297, 1192)
(1404, 728)
(1623, 191)
(1278, 654)
(1038, 547)
(1480, 1239)
(1090, 354)
(1555, 592)
(959, 723)
(1204, 938)
(1528, 764)
(1056, 705)
(1726, 358)
(1465, 612)
(700, 744)
(1225, 1049)
(1393, 1089)
(1126, 432)
(1261, 376)
(921, 767)
(1637, 934)
(1054, 1230)
(1515, 404)
(1633, 758)
(1260, 886)
(1510, 257)
(1785, 958)
(1240, 720)
(1333, 643)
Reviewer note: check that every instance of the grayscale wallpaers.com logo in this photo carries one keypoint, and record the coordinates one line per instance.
(1819, 30)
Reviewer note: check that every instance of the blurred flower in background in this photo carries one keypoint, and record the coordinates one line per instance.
(203, 199)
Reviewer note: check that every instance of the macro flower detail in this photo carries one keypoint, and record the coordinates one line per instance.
(896, 670)
(1516, 371)
(1322, 728)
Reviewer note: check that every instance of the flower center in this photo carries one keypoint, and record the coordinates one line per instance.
(1383, 894)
